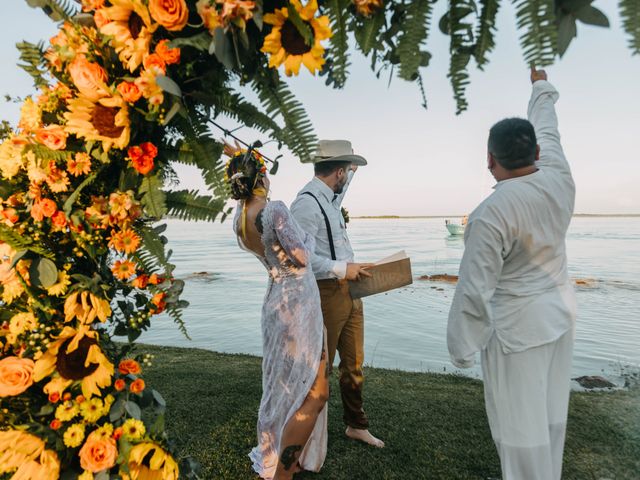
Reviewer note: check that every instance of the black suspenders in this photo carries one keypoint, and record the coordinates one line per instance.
(326, 221)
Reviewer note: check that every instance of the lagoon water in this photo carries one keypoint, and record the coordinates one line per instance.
(406, 328)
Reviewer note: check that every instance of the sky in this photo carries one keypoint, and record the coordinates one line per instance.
(432, 162)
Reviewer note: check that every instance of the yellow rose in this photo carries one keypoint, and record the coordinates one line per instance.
(98, 453)
(16, 375)
(171, 14)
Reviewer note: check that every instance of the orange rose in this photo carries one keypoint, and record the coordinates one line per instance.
(52, 136)
(43, 208)
(66, 397)
(155, 63)
(89, 78)
(171, 14)
(169, 55)
(16, 375)
(59, 219)
(140, 281)
(54, 397)
(137, 386)
(129, 366)
(80, 399)
(98, 453)
(10, 215)
(88, 5)
(117, 433)
(129, 91)
(119, 384)
(55, 424)
(158, 301)
(155, 279)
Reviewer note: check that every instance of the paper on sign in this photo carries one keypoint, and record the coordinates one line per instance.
(388, 274)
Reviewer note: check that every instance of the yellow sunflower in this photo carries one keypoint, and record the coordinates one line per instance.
(76, 355)
(26, 456)
(149, 461)
(106, 120)
(129, 24)
(60, 287)
(86, 307)
(286, 45)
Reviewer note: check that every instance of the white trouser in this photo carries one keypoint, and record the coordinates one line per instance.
(527, 397)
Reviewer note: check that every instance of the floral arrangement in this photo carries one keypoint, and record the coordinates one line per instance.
(126, 90)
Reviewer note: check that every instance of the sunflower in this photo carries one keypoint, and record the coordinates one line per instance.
(60, 287)
(86, 307)
(25, 455)
(148, 460)
(129, 24)
(106, 120)
(286, 45)
(76, 355)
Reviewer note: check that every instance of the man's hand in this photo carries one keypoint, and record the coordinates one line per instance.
(355, 271)
(537, 74)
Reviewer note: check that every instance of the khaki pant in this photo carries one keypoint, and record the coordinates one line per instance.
(344, 321)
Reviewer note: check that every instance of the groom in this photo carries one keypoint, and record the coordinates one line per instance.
(317, 210)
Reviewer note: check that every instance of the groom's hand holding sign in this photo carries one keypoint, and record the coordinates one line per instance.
(357, 270)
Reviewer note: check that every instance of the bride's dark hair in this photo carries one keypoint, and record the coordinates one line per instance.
(243, 174)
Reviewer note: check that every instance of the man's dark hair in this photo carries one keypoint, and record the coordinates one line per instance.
(324, 169)
(512, 142)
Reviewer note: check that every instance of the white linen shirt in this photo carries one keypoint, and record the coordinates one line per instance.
(513, 275)
(307, 213)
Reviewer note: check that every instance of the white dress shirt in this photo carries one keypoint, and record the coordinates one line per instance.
(513, 274)
(307, 213)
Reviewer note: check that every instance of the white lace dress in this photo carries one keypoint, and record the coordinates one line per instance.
(292, 339)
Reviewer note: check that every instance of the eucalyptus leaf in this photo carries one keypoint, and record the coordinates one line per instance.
(168, 85)
(592, 16)
(159, 398)
(133, 409)
(117, 410)
(566, 32)
(223, 48)
(43, 273)
(200, 41)
(175, 108)
(17, 257)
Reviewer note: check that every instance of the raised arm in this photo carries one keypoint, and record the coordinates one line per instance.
(542, 114)
(289, 236)
(469, 325)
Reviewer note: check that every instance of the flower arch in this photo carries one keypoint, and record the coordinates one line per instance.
(127, 90)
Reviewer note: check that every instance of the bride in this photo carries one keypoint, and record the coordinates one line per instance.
(292, 420)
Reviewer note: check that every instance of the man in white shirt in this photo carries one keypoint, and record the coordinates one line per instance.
(514, 301)
(317, 209)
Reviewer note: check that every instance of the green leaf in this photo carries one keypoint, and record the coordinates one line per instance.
(415, 30)
(153, 198)
(367, 32)
(200, 41)
(566, 32)
(303, 27)
(168, 85)
(485, 33)
(158, 398)
(117, 410)
(223, 48)
(630, 15)
(537, 20)
(68, 204)
(17, 257)
(338, 11)
(43, 273)
(133, 409)
(190, 206)
(592, 16)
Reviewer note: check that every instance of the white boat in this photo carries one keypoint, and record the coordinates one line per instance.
(454, 228)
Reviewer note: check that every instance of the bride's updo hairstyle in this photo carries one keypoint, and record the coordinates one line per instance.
(244, 173)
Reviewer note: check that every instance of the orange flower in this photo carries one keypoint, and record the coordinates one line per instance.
(52, 136)
(171, 14)
(10, 215)
(54, 397)
(117, 433)
(209, 15)
(89, 78)
(80, 399)
(119, 384)
(140, 281)
(88, 5)
(129, 91)
(147, 84)
(129, 366)
(125, 241)
(124, 269)
(59, 219)
(137, 386)
(57, 179)
(98, 453)
(237, 11)
(158, 301)
(79, 165)
(142, 157)
(43, 208)
(16, 375)
(366, 7)
(55, 424)
(155, 64)
(155, 279)
(169, 55)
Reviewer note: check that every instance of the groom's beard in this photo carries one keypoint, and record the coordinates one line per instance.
(338, 189)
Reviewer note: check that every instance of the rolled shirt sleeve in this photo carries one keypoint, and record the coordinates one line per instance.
(306, 212)
(470, 327)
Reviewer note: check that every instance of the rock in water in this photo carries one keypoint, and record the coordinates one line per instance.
(594, 382)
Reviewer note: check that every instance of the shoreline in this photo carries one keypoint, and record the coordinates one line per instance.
(411, 217)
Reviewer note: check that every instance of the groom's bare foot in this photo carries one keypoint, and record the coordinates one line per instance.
(364, 436)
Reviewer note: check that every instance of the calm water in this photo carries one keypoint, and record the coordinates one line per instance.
(406, 329)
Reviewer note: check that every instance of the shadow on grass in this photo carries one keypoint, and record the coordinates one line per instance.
(434, 425)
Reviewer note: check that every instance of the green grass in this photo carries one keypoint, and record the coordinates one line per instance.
(434, 425)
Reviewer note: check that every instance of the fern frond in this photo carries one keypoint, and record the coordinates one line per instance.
(175, 312)
(56, 9)
(538, 20)
(485, 34)
(18, 242)
(188, 205)
(415, 31)
(339, 44)
(32, 58)
(460, 48)
(367, 32)
(153, 198)
(152, 255)
(630, 14)
(277, 99)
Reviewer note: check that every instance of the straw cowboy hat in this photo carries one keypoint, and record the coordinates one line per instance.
(336, 151)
